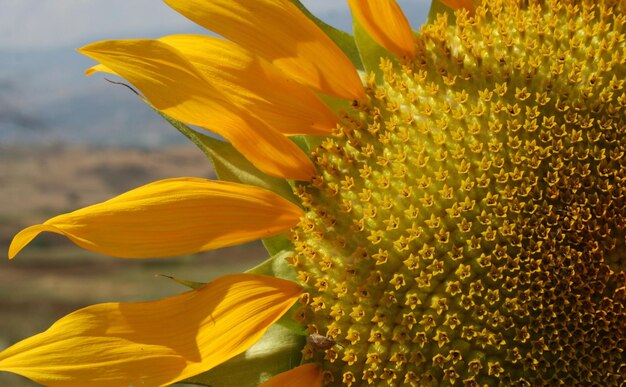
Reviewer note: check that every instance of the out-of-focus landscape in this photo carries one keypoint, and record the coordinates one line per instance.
(68, 141)
(52, 277)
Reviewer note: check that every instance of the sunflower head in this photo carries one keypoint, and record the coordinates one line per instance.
(454, 201)
(466, 223)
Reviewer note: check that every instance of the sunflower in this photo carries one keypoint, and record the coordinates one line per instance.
(442, 207)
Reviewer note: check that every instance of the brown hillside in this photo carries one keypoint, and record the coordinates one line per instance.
(38, 182)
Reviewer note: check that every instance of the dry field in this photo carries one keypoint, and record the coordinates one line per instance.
(52, 277)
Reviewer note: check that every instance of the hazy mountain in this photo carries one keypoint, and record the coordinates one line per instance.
(45, 96)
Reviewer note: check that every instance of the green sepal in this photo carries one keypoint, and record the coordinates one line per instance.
(336, 104)
(301, 142)
(288, 321)
(314, 141)
(436, 8)
(342, 39)
(229, 164)
(189, 284)
(276, 266)
(277, 351)
(370, 50)
(277, 243)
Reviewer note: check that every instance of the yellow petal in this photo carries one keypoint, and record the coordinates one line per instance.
(153, 343)
(278, 31)
(309, 375)
(171, 217)
(256, 85)
(457, 4)
(99, 68)
(173, 85)
(386, 24)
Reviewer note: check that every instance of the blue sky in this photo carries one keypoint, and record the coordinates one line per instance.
(44, 95)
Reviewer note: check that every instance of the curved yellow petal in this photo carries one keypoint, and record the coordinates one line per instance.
(153, 343)
(278, 31)
(99, 68)
(173, 85)
(309, 375)
(386, 24)
(171, 217)
(457, 4)
(256, 85)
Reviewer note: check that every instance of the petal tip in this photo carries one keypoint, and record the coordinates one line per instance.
(25, 236)
(84, 49)
(386, 24)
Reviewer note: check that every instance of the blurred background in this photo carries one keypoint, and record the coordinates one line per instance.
(67, 141)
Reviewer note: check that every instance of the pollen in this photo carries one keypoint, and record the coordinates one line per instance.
(467, 222)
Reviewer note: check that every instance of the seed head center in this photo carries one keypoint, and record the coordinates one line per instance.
(467, 221)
